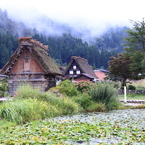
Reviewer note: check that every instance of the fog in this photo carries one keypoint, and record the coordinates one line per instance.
(83, 18)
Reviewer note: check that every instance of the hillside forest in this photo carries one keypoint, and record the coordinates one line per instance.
(61, 47)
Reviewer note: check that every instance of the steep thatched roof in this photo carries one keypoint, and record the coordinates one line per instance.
(83, 65)
(39, 51)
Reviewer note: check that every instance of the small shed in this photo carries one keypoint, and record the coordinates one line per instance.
(79, 70)
(31, 63)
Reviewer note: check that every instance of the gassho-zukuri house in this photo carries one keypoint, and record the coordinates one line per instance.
(78, 69)
(31, 63)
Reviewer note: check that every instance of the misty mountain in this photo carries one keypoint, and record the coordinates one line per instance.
(112, 39)
(22, 27)
(63, 40)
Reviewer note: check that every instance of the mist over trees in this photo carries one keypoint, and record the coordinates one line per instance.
(96, 50)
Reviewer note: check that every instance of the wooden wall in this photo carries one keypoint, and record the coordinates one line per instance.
(26, 63)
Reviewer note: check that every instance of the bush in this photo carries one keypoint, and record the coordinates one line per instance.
(131, 87)
(99, 107)
(84, 100)
(104, 93)
(3, 87)
(65, 105)
(27, 91)
(68, 88)
(69, 106)
(84, 86)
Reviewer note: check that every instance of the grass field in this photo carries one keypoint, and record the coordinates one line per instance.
(133, 97)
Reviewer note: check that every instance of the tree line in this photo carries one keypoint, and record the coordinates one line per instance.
(62, 48)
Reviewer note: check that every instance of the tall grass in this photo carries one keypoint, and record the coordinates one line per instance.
(26, 110)
(29, 104)
(104, 93)
(66, 105)
(26, 91)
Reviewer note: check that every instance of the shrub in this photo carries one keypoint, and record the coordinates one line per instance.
(104, 93)
(68, 88)
(99, 107)
(131, 87)
(69, 106)
(84, 86)
(65, 105)
(27, 91)
(3, 87)
(84, 100)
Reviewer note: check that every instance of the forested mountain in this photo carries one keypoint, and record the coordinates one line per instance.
(61, 47)
(112, 39)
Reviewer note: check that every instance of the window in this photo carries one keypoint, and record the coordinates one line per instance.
(71, 72)
(78, 72)
(74, 67)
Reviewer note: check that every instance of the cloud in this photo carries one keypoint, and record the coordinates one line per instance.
(88, 17)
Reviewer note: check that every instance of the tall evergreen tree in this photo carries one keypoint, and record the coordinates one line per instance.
(135, 45)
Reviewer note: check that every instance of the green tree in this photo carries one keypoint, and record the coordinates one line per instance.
(135, 46)
(119, 68)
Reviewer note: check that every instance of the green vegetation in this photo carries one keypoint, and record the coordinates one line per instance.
(29, 104)
(35, 118)
(116, 127)
(84, 86)
(3, 87)
(105, 93)
(131, 87)
(133, 97)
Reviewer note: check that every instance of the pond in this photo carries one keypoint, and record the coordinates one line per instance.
(121, 127)
(114, 127)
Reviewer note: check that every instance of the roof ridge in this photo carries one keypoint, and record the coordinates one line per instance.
(33, 42)
(76, 57)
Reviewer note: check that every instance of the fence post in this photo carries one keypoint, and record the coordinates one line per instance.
(125, 94)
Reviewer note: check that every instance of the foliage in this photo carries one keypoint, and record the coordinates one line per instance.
(22, 111)
(26, 110)
(119, 69)
(135, 46)
(68, 88)
(84, 86)
(84, 100)
(25, 91)
(104, 93)
(116, 127)
(69, 106)
(131, 87)
(3, 87)
(29, 104)
(142, 106)
(96, 107)
(65, 105)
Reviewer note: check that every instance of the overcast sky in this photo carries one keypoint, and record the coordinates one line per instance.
(90, 13)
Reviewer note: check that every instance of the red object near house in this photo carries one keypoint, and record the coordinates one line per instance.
(101, 74)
